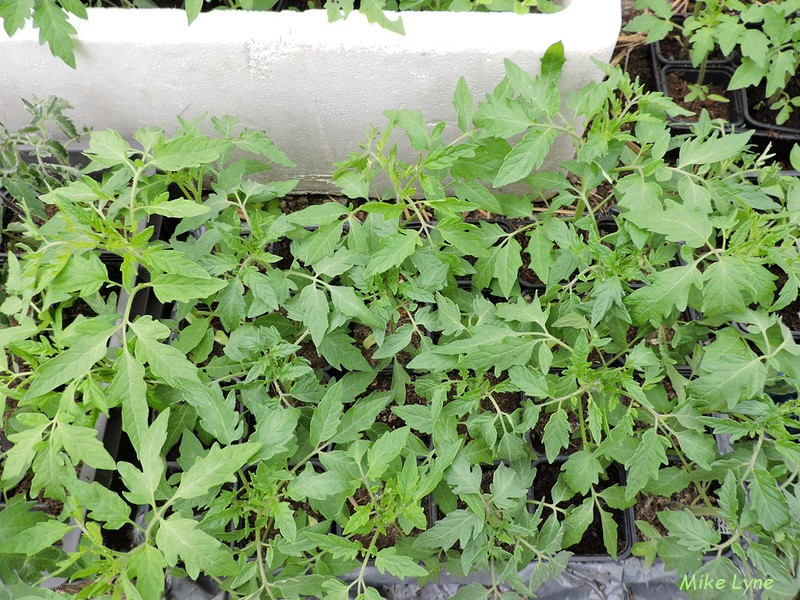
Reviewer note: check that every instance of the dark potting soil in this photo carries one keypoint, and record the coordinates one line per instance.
(309, 352)
(678, 88)
(592, 541)
(758, 104)
(283, 248)
(526, 274)
(675, 48)
(507, 402)
(637, 63)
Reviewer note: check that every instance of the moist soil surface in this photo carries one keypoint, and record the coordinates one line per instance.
(282, 248)
(636, 62)
(309, 352)
(675, 48)
(507, 402)
(592, 541)
(758, 106)
(678, 88)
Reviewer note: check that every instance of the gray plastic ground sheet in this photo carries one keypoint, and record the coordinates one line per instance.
(627, 579)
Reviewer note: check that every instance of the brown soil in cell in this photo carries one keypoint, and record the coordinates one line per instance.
(507, 402)
(309, 352)
(758, 104)
(636, 62)
(592, 541)
(526, 273)
(674, 48)
(678, 88)
(71, 588)
(648, 507)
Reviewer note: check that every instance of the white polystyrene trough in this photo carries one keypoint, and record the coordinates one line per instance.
(314, 86)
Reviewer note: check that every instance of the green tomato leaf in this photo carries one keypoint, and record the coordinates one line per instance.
(398, 565)
(55, 29)
(180, 537)
(216, 467)
(315, 486)
(527, 156)
(77, 361)
(186, 151)
(394, 250)
(170, 287)
(769, 504)
(388, 447)
(556, 434)
(34, 539)
(328, 415)
(462, 102)
(314, 305)
(691, 532)
(14, 14)
(107, 148)
(104, 505)
(645, 462)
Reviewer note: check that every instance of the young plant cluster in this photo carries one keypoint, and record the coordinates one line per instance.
(446, 372)
(764, 37)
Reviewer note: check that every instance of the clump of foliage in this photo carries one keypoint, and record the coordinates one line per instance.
(414, 451)
(765, 34)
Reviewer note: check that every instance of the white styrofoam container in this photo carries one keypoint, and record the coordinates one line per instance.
(314, 86)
